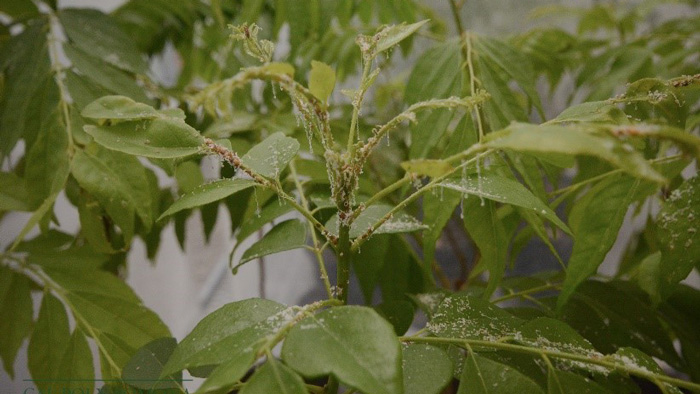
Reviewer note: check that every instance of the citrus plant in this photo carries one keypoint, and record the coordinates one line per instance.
(378, 175)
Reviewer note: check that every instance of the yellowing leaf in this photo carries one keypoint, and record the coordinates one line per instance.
(427, 167)
(321, 80)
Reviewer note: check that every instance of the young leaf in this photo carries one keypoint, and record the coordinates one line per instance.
(321, 80)
(498, 188)
(426, 369)
(162, 138)
(466, 317)
(483, 376)
(352, 343)
(208, 193)
(392, 35)
(145, 366)
(48, 343)
(679, 234)
(274, 377)
(232, 331)
(272, 155)
(288, 235)
(119, 108)
(16, 309)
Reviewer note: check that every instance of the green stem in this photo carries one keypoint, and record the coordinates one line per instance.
(538, 289)
(316, 249)
(539, 351)
(57, 69)
(344, 255)
(401, 205)
(357, 104)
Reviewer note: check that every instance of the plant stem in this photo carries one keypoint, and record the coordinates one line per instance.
(539, 351)
(316, 249)
(357, 104)
(344, 256)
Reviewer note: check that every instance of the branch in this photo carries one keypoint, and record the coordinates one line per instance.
(233, 159)
(410, 114)
(543, 352)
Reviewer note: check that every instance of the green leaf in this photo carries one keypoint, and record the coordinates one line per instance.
(498, 188)
(16, 310)
(19, 9)
(591, 112)
(367, 265)
(208, 193)
(144, 368)
(26, 66)
(679, 234)
(504, 106)
(352, 343)
(108, 187)
(505, 57)
(274, 377)
(489, 235)
(288, 235)
(392, 35)
(162, 138)
(224, 377)
(564, 382)
(272, 210)
(278, 68)
(76, 369)
(633, 358)
(399, 313)
(427, 167)
(399, 223)
(119, 108)
(48, 343)
(573, 140)
(98, 34)
(321, 80)
(611, 318)
(106, 305)
(595, 221)
(232, 331)
(47, 160)
(545, 332)
(483, 376)
(14, 195)
(466, 317)
(437, 74)
(272, 155)
(95, 71)
(426, 369)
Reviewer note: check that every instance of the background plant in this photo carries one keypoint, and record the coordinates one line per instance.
(376, 179)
